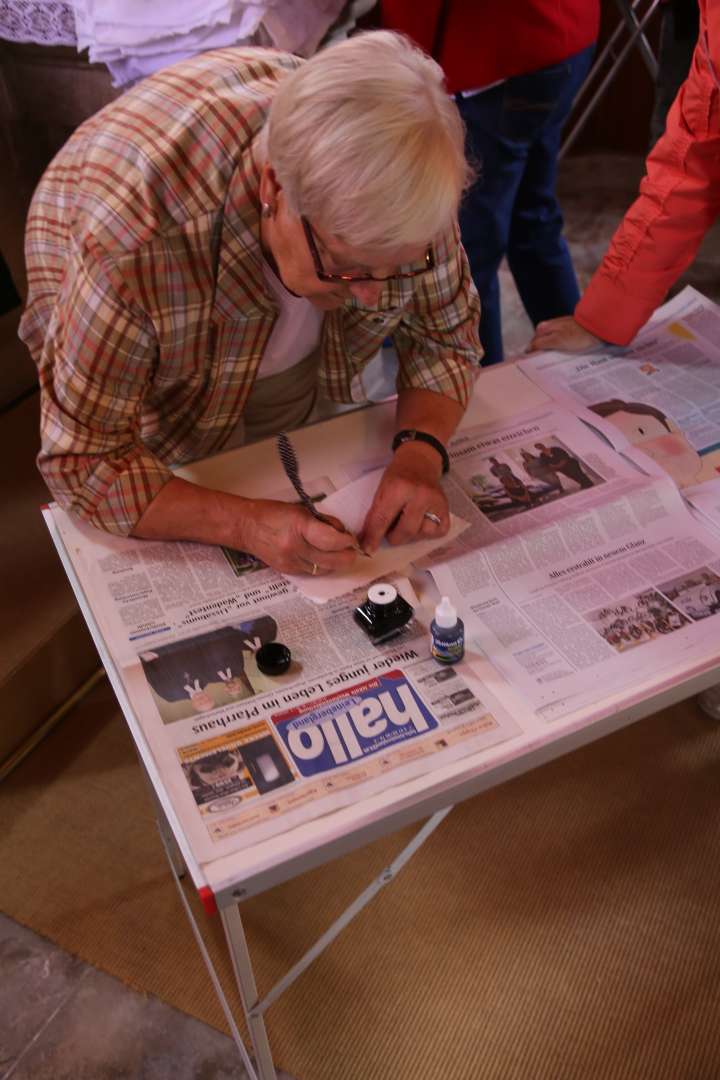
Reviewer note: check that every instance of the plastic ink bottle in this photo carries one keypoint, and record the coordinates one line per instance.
(447, 634)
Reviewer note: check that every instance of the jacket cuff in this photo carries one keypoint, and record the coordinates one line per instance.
(609, 312)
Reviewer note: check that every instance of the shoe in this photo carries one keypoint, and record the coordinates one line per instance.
(709, 702)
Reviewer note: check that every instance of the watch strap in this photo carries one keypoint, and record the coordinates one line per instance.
(411, 435)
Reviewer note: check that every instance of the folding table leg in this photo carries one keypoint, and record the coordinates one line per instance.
(242, 967)
(254, 1009)
(265, 1065)
(171, 844)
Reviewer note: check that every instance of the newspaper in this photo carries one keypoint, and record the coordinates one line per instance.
(245, 755)
(570, 589)
(658, 400)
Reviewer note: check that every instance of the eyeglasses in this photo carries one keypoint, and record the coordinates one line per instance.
(323, 274)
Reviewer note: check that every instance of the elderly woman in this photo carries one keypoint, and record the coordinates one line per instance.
(229, 239)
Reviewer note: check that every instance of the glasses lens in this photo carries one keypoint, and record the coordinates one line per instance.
(325, 275)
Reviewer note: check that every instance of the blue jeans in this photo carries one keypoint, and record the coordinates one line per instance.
(513, 136)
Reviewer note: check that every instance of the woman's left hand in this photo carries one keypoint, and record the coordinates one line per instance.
(408, 493)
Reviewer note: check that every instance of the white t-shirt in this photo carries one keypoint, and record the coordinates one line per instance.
(296, 331)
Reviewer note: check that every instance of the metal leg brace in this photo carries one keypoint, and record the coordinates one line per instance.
(636, 27)
(242, 964)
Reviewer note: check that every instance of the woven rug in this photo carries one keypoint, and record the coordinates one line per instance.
(564, 926)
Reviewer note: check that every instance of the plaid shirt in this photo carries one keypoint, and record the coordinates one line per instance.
(148, 310)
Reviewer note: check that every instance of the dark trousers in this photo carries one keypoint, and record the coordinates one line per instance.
(513, 136)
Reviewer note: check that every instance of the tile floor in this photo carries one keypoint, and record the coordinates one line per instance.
(63, 1020)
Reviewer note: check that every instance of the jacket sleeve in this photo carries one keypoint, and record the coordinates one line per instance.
(679, 201)
(95, 368)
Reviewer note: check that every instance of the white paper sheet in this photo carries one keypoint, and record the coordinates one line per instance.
(350, 504)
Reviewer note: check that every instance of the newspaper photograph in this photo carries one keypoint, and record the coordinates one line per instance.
(507, 480)
(601, 598)
(657, 400)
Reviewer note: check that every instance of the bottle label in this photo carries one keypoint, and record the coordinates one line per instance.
(448, 649)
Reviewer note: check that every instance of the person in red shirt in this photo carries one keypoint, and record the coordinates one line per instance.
(514, 70)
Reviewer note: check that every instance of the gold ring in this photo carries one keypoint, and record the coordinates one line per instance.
(432, 517)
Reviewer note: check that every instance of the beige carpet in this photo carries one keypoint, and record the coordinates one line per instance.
(563, 926)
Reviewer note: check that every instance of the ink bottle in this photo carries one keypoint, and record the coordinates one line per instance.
(447, 634)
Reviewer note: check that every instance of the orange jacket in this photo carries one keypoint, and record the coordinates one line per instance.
(679, 200)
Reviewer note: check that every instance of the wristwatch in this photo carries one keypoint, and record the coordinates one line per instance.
(411, 435)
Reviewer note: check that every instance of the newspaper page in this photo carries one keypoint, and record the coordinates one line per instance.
(246, 755)
(596, 599)
(508, 479)
(543, 493)
(658, 400)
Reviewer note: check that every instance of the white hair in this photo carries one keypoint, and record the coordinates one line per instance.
(367, 144)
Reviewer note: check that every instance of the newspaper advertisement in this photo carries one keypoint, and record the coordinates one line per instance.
(597, 599)
(245, 754)
(657, 400)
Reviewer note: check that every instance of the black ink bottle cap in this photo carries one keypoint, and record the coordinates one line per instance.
(273, 658)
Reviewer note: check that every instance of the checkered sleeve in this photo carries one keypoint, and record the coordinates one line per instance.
(96, 366)
(437, 339)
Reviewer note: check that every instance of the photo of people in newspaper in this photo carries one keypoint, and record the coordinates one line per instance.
(208, 670)
(635, 620)
(696, 594)
(241, 562)
(520, 478)
(224, 771)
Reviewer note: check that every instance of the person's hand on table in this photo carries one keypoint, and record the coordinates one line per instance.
(289, 539)
(409, 491)
(562, 335)
(284, 535)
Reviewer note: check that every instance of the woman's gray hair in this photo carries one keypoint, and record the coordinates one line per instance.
(367, 144)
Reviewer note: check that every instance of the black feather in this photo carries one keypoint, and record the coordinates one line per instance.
(292, 471)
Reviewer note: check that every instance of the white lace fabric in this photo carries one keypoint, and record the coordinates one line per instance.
(135, 38)
(43, 22)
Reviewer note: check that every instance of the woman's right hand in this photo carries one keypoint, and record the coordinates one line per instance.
(562, 335)
(288, 538)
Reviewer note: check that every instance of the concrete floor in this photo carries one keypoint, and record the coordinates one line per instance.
(63, 1020)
